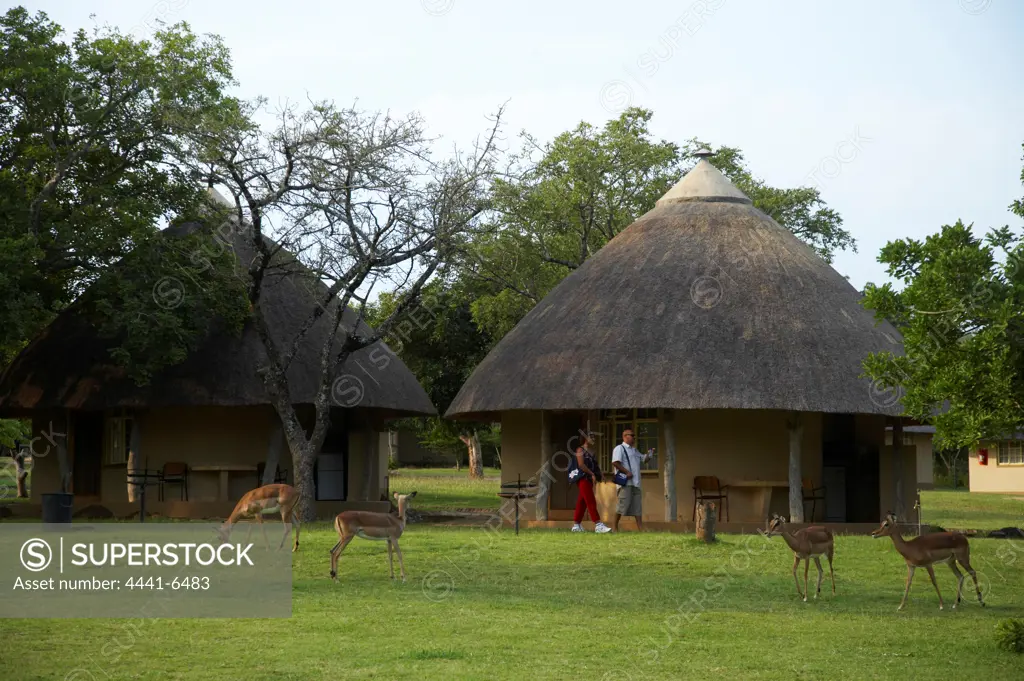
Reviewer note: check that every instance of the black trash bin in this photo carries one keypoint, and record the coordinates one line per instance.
(57, 507)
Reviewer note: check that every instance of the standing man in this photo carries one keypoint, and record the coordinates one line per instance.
(628, 459)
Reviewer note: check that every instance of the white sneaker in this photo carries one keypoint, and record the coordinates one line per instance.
(601, 527)
(577, 528)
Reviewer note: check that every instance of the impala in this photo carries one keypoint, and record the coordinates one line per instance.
(372, 525)
(810, 542)
(927, 550)
(267, 499)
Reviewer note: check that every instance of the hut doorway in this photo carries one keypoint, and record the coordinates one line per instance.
(87, 454)
(330, 470)
(850, 470)
(565, 437)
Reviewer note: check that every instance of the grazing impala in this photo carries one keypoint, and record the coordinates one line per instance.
(927, 550)
(371, 525)
(810, 542)
(266, 499)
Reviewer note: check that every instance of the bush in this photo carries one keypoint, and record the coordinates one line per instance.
(1010, 635)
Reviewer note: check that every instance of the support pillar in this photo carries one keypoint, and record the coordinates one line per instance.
(897, 469)
(796, 497)
(668, 429)
(544, 485)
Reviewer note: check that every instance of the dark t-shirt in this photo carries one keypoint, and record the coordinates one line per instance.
(591, 461)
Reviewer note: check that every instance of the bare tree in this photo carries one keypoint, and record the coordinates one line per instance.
(357, 200)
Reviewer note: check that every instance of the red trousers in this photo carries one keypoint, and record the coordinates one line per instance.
(586, 498)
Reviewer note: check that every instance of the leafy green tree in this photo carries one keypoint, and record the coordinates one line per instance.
(553, 213)
(95, 151)
(961, 313)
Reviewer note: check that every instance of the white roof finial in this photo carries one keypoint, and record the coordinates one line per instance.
(704, 182)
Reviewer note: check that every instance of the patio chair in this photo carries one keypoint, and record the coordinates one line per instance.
(710, 488)
(279, 475)
(175, 473)
(812, 494)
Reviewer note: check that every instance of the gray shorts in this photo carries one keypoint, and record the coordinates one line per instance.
(629, 500)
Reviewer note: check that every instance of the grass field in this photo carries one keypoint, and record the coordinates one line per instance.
(445, 489)
(556, 605)
(483, 604)
(963, 510)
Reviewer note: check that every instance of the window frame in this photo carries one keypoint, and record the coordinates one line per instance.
(1007, 451)
(117, 430)
(611, 423)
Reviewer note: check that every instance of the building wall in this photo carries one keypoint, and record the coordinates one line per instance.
(886, 484)
(1006, 479)
(198, 435)
(925, 458)
(733, 445)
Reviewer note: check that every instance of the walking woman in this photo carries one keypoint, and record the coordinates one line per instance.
(588, 474)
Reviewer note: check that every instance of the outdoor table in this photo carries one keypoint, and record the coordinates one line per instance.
(224, 470)
(762, 492)
(518, 494)
(142, 478)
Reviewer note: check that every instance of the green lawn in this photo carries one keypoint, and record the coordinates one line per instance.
(966, 511)
(445, 489)
(484, 605)
(481, 604)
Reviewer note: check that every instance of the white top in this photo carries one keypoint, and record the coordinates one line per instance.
(633, 465)
(703, 181)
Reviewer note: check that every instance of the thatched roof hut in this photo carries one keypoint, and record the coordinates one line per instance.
(69, 367)
(704, 302)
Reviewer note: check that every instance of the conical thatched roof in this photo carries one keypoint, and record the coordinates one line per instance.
(704, 302)
(69, 366)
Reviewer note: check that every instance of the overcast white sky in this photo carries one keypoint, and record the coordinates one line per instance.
(930, 88)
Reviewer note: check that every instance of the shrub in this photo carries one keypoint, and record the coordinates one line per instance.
(1010, 635)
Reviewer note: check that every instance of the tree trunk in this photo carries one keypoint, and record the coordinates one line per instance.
(544, 484)
(476, 457)
(796, 497)
(706, 522)
(897, 467)
(134, 458)
(392, 451)
(303, 458)
(670, 465)
(274, 448)
(21, 474)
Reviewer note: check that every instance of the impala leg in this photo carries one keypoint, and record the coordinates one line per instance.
(966, 562)
(821, 575)
(263, 528)
(391, 565)
(796, 580)
(910, 578)
(831, 573)
(807, 568)
(931, 573)
(336, 553)
(959, 580)
(401, 563)
(297, 524)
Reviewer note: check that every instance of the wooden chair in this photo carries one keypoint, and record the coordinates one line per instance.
(175, 473)
(279, 475)
(812, 494)
(710, 488)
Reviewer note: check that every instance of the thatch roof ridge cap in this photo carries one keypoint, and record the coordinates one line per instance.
(704, 182)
